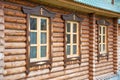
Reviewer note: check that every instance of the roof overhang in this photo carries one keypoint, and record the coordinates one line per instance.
(75, 6)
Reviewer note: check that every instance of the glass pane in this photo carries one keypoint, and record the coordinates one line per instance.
(100, 30)
(68, 27)
(43, 38)
(33, 37)
(74, 28)
(33, 23)
(68, 50)
(74, 49)
(43, 24)
(100, 39)
(103, 47)
(103, 30)
(68, 38)
(43, 51)
(74, 38)
(103, 39)
(100, 47)
(33, 51)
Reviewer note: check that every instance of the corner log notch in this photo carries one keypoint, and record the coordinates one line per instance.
(38, 11)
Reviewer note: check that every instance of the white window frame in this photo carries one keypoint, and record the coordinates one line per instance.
(38, 44)
(71, 39)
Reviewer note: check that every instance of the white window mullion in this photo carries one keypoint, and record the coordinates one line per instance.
(38, 37)
(71, 40)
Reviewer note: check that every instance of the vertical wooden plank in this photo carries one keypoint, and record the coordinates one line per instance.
(28, 45)
(65, 42)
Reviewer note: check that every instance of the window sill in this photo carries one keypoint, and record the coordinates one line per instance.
(39, 62)
(104, 55)
(73, 60)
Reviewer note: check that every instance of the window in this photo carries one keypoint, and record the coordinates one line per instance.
(72, 39)
(102, 39)
(39, 42)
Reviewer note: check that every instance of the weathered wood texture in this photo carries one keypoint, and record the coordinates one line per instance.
(1, 41)
(104, 66)
(15, 37)
(15, 48)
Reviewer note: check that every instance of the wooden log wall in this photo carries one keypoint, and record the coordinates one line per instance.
(15, 48)
(104, 65)
(1, 41)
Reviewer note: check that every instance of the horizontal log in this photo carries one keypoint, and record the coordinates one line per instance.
(15, 76)
(103, 72)
(14, 70)
(9, 32)
(14, 64)
(14, 58)
(70, 71)
(61, 30)
(57, 64)
(77, 74)
(85, 35)
(56, 59)
(14, 45)
(57, 54)
(11, 6)
(15, 26)
(58, 44)
(38, 72)
(59, 68)
(58, 34)
(78, 77)
(15, 38)
(58, 49)
(34, 68)
(15, 19)
(104, 68)
(14, 51)
(57, 19)
(58, 40)
(16, 13)
(85, 31)
(60, 25)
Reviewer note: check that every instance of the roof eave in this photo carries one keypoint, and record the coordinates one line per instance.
(75, 6)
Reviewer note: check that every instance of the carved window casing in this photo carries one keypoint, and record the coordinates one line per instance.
(39, 36)
(103, 38)
(72, 38)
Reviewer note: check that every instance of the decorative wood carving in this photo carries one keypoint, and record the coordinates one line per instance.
(38, 11)
(103, 22)
(72, 17)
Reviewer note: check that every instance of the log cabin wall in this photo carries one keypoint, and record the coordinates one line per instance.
(106, 66)
(15, 47)
(1, 41)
